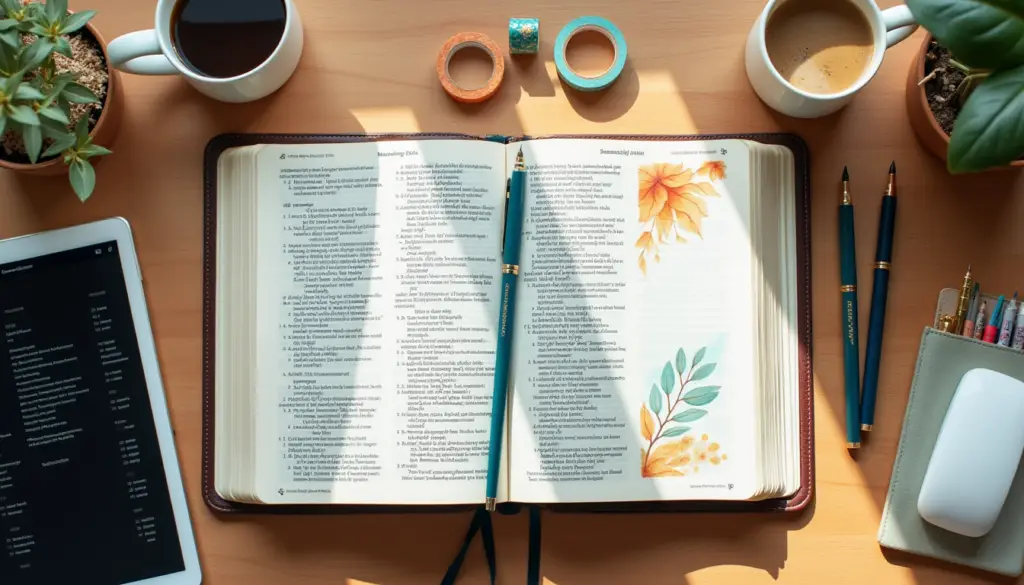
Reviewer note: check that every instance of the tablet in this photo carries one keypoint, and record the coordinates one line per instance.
(90, 489)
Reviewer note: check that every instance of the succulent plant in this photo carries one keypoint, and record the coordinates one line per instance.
(36, 98)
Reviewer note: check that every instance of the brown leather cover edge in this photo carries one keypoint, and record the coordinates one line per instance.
(797, 502)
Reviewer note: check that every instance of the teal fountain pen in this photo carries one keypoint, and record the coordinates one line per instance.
(848, 287)
(506, 317)
(879, 295)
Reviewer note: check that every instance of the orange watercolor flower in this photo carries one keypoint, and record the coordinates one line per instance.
(713, 169)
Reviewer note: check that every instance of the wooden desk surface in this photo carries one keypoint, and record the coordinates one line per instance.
(368, 65)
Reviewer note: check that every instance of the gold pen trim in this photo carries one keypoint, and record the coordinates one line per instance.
(853, 445)
(848, 288)
(866, 427)
(510, 269)
(490, 504)
(883, 265)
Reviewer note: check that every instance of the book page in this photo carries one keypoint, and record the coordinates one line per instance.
(377, 293)
(634, 355)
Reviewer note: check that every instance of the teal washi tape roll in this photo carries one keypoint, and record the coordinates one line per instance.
(523, 36)
(596, 82)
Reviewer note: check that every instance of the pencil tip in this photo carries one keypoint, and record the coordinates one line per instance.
(892, 168)
(846, 174)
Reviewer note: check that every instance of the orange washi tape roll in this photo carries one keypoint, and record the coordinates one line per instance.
(463, 41)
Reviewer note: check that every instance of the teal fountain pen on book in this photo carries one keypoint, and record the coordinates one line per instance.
(848, 287)
(509, 274)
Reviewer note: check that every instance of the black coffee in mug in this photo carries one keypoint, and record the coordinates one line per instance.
(226, 38)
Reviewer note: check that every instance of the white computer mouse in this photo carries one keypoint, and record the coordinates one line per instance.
(965, 486)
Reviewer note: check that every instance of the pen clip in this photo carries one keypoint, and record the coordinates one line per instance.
(504, 216)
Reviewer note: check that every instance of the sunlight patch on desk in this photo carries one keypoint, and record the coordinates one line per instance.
(396, 119)
(620, 109)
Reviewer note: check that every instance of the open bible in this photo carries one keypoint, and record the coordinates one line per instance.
(659, 331)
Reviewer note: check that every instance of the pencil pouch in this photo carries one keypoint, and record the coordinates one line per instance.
(942, 360)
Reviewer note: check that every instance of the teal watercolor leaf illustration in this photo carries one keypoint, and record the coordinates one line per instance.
(668, 378)
(703, 372)
(672, 400)
(675, 431)
(698, 357)
(701, 396)
(655, 400)
(690, 415)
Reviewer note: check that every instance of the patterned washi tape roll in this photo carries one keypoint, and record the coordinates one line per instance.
(463, 41)
(596, 82)
(523, 36)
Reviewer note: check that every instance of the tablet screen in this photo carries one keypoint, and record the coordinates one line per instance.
(83, 497)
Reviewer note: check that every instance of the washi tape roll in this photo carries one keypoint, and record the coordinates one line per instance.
(523, 36)
(588, 82)
(464, 41)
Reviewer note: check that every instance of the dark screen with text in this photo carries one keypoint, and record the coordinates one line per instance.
(83, 496)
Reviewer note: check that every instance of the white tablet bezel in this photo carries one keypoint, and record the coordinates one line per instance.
(117, 229)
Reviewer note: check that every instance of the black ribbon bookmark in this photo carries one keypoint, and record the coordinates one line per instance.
(482, 523)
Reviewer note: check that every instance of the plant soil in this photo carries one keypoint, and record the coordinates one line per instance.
(88, 62)
(941, 88)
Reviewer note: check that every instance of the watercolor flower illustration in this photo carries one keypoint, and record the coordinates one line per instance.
(671, 203)
(665, 420)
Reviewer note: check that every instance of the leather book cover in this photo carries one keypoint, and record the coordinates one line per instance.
(798, 501)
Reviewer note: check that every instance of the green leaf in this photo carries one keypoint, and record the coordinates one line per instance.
(989, 131)
(11, 38)
(701, 396)
(24, 115)
(91, 150)
(655, 400)
(27, 92)
(680, 361)
(35, 54)
(675, 431)
(703, 372)
(36, 29)
(10, 6)
(63, 47)
(60, 145)
(8, 23)
(3, 123)
(690, 415)
(76, 21)
(9, 85)
(987, 34)
(8, 59)
(83, 178)
(77, 93)
(56, 114)
(82, 131)
(52, 129)
(698, 357)
(56, 9)
(33, 137)
(668, 378)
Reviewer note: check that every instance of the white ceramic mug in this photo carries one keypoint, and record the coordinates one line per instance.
(151, 52)
(888, 28)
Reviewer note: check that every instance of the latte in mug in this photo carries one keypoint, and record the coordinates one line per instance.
(820, 46)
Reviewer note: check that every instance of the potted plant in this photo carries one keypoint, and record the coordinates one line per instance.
(965, 90)
(56, 92)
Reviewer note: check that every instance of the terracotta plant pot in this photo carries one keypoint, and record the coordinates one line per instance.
(103, 132)
(927, 128)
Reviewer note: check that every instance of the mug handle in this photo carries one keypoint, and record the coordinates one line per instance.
(899, 24)
(139, 52)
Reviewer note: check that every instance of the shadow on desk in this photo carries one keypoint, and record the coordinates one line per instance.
(610, 543)
(928, 570)
(577, 549)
